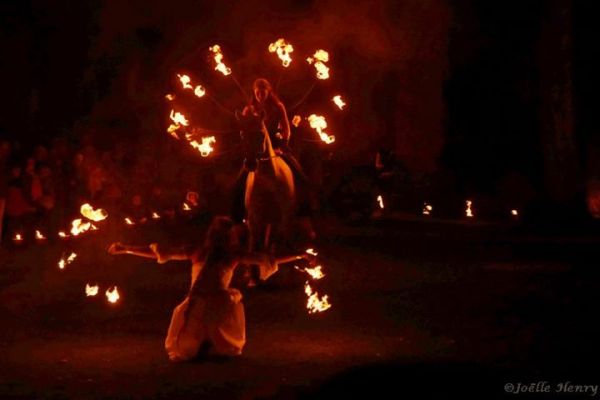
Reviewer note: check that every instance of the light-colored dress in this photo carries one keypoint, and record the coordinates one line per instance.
(212, 314)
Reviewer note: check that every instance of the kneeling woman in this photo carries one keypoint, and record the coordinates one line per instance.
(212, 314)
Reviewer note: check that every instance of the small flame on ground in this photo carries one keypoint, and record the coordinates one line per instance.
(170, 97)
(514, 212)
(218, 57)
(319, 59)
(186, 207)
(339, 102)
(380, 201)
(312, 252)
(39, 236)
(63, 262)
(112, 295)
(62, 234)
(296, 120)
(95, 215)
(468, 210)
(318, 123)
(205, 148)
(283, 50)
(155, 215)
(128, 221)
(315, 304)
(18, 237)
(91, 290)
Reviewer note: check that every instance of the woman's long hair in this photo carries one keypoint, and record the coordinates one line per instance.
(272, 101)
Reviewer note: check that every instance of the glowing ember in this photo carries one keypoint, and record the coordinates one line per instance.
(39, 236)
(319, 59)
(128, 221)
(427, 209)
(199, 91)
(155, 216)
(514, 213)
(170, 97)
(91, 214)
(62, 234)
(339, 102)
(91, 290)
(179, 118)
(185, 81)
(112, 295)
(312, 252)
(318, 123)
(315, 273)
(218, 57)
(66, 261)
(380, 201)
(186, 207)
(283, 50)
(296, 120)
(18, 237)
(468, 210)
(205, 148)
(78, 226)
(315, 304)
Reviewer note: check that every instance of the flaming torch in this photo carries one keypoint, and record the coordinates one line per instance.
(218, 57)
(315, 273)
(39, 236)
(427, 208)
(185, 81)
(199, 91)
(179, 118)
(319, 59)
(468, 210)
(93, 215)
(205, 148)
(78, 227)
(318, 123)
(63, 262)
(283, 50)
(112, 295)
(91, 290)
(315, 304)
(339, 102)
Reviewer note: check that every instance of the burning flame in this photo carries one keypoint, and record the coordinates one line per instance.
(170, 97)
(186, 207)
(199, 91)
(185, 81)
(64, 262)
(514, 212)
(206, 147)
(314, 303)
(468, 211)
(155, 215)
(318, 123)
(296, 120)
(312, 252)
(179, 118)
(218, 57)
(380, 201)
(78, 226)
(39, 236)
(315, 273)
(427, 209)
(91, 214)
(172, 130)
(112, 295)
(18, 237)
(283, 50)
(339, 102)
(62, 234)
(128, 221)
(319, 59)
(91, 290)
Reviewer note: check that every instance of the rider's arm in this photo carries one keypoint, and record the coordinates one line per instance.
(284, 124)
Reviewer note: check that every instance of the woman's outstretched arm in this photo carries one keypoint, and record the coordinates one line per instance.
(152, 251)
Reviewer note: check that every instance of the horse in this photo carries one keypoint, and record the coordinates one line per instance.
(270, 190)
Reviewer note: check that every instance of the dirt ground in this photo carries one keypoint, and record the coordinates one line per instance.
(427, 308)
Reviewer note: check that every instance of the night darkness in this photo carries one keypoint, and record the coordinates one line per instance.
(444, 244)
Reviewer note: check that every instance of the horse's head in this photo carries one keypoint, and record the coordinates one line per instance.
(254, 138)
